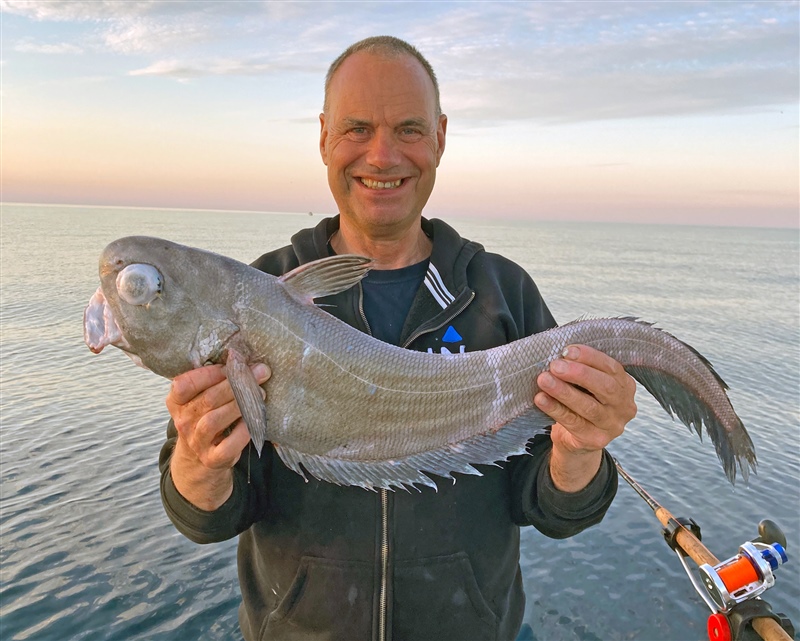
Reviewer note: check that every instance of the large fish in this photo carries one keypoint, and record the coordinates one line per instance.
(353, 410)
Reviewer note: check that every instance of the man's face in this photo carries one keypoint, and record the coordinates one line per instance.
(381, 141)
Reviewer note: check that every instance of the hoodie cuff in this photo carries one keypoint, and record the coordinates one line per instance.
(583, 503)
(201, 526)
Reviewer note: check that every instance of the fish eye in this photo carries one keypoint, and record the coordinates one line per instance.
(139, 284)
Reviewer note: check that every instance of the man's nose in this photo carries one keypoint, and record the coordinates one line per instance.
(383, 152)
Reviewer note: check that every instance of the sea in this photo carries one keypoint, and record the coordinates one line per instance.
(87, 552)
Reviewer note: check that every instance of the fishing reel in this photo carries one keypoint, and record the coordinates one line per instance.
(750, 572)
(731, 588)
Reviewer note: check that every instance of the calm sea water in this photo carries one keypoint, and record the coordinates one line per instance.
(87, 552)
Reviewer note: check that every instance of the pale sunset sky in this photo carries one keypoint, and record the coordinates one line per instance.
(683, 112)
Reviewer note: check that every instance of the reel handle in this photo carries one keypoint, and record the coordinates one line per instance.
(769, 533)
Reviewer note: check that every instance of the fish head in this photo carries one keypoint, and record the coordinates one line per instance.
(157, 305)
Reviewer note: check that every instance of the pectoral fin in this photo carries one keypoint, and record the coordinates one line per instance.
(326, 276)
(247, 393)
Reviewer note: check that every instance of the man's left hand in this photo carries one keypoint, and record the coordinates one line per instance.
(590, 397)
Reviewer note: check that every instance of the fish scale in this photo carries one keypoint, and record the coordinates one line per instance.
(349, 409)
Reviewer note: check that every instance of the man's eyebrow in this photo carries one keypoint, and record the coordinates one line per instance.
(415, 122)
(355, 122)
(350, 122)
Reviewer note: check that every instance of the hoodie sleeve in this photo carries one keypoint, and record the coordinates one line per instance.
(536, 500)
(238, 513)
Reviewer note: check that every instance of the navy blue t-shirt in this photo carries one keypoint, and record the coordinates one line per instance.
(388, 294)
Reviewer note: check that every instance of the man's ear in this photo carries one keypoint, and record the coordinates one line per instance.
(323, 139)
(441, 131)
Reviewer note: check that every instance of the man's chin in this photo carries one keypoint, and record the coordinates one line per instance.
(382, 216)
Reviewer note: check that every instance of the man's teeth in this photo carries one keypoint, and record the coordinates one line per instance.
(375, 184)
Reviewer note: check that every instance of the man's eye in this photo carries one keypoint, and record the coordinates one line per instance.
(358, 133)
(410, 133)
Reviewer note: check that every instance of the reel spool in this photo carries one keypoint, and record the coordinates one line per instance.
(743, 576)
(732, 587)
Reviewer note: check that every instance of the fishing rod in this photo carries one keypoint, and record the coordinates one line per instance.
(732, 588)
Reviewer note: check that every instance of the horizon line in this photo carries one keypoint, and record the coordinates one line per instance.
(795, 227)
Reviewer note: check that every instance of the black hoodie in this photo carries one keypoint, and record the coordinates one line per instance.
(319, 561)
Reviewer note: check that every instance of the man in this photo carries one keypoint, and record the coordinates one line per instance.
(319, 561)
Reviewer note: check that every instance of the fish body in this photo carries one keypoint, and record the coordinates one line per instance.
(353, 410)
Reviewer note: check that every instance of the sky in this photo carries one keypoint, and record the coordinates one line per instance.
(654, 112)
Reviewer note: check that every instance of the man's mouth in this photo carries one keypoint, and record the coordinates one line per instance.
(377, 184)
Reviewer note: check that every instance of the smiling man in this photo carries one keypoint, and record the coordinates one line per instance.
(320, 561)
(382, 137)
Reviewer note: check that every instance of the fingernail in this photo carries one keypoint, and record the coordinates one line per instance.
(546, 381)
(571, 352)
(543, 402)
(559, 367)
(260, 371)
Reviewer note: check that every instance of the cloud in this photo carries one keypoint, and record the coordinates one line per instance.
(540, 61)
(148, 26)
(76, 10)
(556, 99)
(146, 35)
(604, 61)
(181, 70)
(60, 48)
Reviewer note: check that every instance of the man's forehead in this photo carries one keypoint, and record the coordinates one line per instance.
(364, 75)
(372, 58)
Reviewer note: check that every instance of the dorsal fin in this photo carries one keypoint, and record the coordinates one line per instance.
(326, 276)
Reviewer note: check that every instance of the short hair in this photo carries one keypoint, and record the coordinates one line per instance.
(387, 46)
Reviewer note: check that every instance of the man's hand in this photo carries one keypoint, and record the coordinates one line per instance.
(591, 398)
(211, 434)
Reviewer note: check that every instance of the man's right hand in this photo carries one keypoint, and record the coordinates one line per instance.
(211, 434)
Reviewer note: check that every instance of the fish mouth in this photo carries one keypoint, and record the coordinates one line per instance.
(100, 328)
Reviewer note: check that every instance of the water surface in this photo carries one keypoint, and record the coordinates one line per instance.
(88, 553)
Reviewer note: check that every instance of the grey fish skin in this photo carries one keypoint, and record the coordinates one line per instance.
(350, 409)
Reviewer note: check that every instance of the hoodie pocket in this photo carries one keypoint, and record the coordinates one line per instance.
(439, 598)
(327, 599)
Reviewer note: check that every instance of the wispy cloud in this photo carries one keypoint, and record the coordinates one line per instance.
(182, 70)
(540, 61)
(606, 61)
(146, 35)
(78, 10)
(28, 46)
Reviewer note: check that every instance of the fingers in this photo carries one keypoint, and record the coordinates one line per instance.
(202, 390)
(221, 449)
(589, 394)
(206, 415)
(192, 383)
(594, 371)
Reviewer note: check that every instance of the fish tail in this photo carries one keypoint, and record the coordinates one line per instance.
(686, 385)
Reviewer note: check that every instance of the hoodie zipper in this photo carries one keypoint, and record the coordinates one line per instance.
(383, 594)
(383, 590)
(384, 587)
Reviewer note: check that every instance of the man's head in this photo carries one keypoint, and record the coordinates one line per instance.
(387, 46)
(382, 135)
